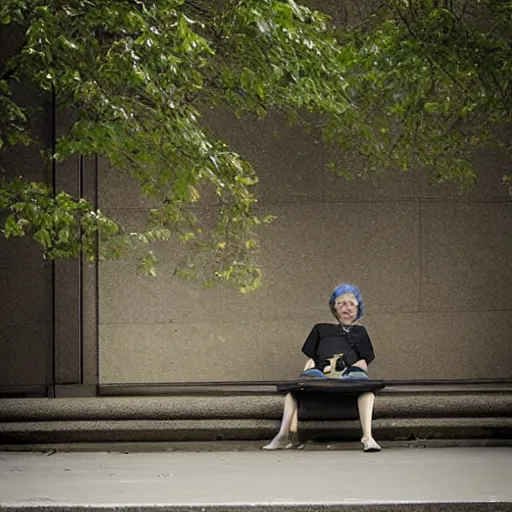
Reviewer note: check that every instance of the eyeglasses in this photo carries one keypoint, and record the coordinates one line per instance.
(346, 303)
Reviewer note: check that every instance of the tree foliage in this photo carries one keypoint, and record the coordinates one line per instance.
(431, 80)
(413, 84)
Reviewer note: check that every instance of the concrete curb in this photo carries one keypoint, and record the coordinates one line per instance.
(242, 446)
(272, 507)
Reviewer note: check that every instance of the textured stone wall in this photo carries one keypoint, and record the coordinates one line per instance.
(25, 279)
(433, 268)
(48, 316)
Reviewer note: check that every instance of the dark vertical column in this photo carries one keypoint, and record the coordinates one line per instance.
(67, 304)
(51, 370)
(89, 291)
(67, 326)
(75, 284)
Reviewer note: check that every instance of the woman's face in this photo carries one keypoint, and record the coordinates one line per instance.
(346, 307)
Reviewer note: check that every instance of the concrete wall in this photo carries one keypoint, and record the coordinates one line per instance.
(25, 279)
(433, 268)
(48, 326)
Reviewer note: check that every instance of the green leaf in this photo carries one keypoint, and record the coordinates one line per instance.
(415, 85)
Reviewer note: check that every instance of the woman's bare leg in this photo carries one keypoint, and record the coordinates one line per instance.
(365, 406)
(294, 425)
(287, 435)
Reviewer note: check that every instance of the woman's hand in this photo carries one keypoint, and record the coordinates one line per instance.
(310, 364)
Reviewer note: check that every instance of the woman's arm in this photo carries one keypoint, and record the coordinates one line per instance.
(311, 344)
(364, 349)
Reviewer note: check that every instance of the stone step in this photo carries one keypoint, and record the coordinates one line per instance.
(249, 429)
(402, 412)
(387, 405)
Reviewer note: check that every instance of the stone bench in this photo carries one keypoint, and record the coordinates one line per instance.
(328, 399)
(475, 412)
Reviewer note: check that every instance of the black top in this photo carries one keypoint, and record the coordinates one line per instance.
(326, 340)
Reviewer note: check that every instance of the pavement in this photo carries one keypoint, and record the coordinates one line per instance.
(61, 481)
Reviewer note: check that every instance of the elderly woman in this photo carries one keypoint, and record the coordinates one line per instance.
(342, 350)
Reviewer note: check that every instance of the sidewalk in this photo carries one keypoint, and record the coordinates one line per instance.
(396, 475)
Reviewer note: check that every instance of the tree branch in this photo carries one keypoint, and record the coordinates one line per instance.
(428, 57)
(8, 73)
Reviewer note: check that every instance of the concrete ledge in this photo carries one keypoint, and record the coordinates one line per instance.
(396, 405)
(410, 413)
(269, 387)
(219, 430)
